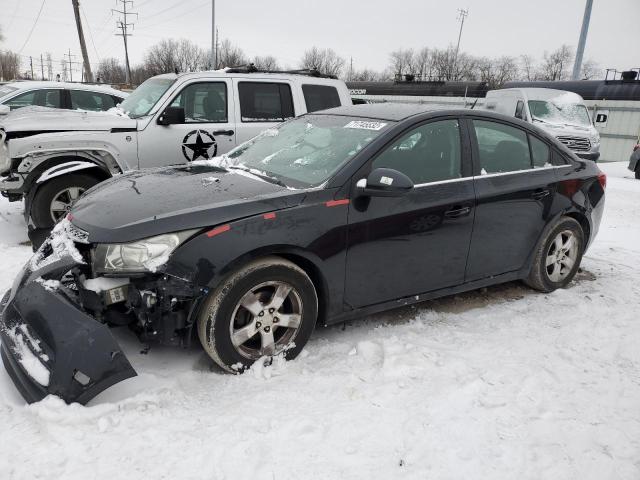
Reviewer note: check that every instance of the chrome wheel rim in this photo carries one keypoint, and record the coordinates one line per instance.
(63, 201)
(266, 320)
(561, 256)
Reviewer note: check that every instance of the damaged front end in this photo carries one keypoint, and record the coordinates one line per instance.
(54, 323)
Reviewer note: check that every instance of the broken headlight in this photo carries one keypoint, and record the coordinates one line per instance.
(145, 255)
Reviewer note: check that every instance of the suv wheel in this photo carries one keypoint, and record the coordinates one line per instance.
(637, 172)
(558, 256)
(267, 308)
(54, 199)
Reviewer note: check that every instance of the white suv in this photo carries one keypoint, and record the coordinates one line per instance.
(169, 119)
(71, 96)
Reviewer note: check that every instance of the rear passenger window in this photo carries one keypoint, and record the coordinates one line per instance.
(320, 97)
(265, 102)
(428, 153)
(502, 148)
(93, 101)
(41, 98)
(540, 153)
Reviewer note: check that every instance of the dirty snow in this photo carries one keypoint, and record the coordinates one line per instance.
(28, 359)
(49, 284)
(502, 383)
(103, 284)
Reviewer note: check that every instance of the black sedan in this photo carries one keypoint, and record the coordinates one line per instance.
(330, 216)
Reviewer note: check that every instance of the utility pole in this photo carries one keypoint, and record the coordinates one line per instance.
(577, 66)
(31, 63)
(462, 15)
(88, 76)
(214, 45)
(123, 25)
(42, 67)
(351, 69)
(70, 66)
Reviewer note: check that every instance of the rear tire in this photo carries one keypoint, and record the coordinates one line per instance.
(637, 172)
(558, 256)
(55, 198)
(266, 308)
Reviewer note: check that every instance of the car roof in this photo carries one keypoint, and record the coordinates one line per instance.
(393, 112)
(31, 84)
(249, 76)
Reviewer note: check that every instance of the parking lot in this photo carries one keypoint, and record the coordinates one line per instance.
(498, 383)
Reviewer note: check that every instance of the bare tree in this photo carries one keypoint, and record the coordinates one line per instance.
(497, 71)
(326, 61)
(366, 75)
(403, 62)
(161, 57)
(189, 56)
(230, 55)
(591, 70)
(9, 65)
(110, 70)
(556, 64)
(267, 62)
(528, 68)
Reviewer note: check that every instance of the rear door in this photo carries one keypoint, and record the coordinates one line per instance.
(515, 185)
(209, 129)
(261, 105)
(419, 242)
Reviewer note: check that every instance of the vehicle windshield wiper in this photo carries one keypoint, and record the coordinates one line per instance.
(261, 175)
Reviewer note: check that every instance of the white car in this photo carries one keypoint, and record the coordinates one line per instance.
(71, 96)
(562, 114)
(50, 157)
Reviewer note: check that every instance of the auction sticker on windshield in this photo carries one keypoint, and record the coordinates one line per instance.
(365, 125)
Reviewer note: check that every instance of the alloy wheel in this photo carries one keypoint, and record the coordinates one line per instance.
(266, 320)
(63, 201)
(561, 256)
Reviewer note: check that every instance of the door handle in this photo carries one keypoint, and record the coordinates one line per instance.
(223, 132)
(457, 212)
(540, 193)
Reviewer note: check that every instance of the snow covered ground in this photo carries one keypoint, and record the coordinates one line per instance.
(499, 383)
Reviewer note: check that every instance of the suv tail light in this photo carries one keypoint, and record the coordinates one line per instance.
(602, 178)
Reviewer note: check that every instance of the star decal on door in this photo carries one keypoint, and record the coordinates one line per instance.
(199, 143)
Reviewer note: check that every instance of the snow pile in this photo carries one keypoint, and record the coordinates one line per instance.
(29, 360)
(501, 383)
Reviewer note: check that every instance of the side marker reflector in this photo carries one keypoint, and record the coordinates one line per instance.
(335, 203)
(218, 230)
(269, 216)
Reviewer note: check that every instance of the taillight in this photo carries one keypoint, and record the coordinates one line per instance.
(637, 147)
(602, 178)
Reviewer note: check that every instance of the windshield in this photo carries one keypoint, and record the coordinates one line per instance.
(557, 112)
(6, 89)
(305, 151)
(143, 98)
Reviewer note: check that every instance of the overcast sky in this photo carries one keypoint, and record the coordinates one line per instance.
(365, 30)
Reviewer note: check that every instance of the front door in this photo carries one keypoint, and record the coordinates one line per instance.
(209, 129)
(515, 185)
(398, 247)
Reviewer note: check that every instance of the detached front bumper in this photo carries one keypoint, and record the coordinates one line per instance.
(51, 346)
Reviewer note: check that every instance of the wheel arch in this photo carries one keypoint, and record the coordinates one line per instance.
(310, 263)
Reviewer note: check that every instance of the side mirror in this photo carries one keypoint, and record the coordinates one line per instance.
(384, 182)
(4, 109)
(171, 116)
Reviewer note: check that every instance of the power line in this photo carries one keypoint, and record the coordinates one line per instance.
(124, 25)
(90, 34)
(33, 26)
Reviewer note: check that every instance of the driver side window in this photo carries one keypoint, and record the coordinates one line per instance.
(428, 153)
(203, 102)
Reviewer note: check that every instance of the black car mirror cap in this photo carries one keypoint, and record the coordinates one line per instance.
(172, 116)
(384, 182)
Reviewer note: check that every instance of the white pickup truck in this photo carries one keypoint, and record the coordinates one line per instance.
(50, 157)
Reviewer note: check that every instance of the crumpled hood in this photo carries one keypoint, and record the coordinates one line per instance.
(144, 204)
(43, 119)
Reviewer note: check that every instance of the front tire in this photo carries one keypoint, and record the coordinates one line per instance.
(637, 172)
(557, 258)
(268, 307)
(54, 199)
